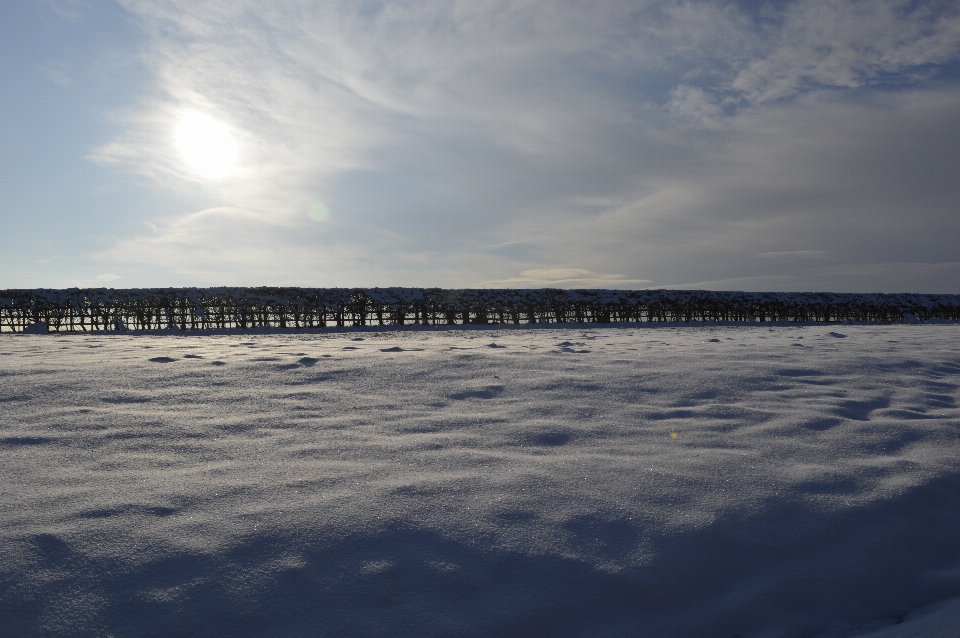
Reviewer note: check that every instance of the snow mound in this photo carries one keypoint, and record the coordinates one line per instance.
(941, 620)
(38, 328)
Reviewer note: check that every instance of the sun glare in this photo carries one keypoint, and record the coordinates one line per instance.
(208, 145)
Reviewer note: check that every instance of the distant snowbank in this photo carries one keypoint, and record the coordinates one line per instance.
(41, 328)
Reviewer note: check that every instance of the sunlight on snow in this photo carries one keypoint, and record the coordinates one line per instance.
(208, 145)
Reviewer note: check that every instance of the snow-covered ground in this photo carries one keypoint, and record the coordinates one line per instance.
(623, 481)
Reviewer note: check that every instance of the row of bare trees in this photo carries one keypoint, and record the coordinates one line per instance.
(76, 310)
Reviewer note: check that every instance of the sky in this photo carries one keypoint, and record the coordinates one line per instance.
(811, 145)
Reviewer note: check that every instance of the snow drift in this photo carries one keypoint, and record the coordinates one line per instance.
(718, 481)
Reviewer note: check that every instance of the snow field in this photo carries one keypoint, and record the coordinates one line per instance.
(736, 481)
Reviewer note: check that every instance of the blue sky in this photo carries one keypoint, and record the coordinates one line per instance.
(807, 145)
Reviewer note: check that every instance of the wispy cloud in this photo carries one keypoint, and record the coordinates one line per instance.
(565, 278)
(849, 44)
(791, 254)
(453, 143)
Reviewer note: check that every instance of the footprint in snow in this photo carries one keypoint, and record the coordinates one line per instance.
(838, 335)
(307, 362)
(358, 339)
(495, 345)
(713, 340)
(393, 349)
(162, 360)
(489, 392)
(351, 348)
(192, 356)
(218, 363)
(16, 441)
(552, 439)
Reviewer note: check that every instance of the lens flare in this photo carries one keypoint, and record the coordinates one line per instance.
(318, 212)
(208, 145)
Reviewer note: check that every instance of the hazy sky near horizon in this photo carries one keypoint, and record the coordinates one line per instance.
(803, 145)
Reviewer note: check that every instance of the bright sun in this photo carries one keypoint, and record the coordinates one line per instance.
(207, 145)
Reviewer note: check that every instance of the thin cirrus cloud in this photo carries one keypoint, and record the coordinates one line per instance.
(808, 145)
(566, 278)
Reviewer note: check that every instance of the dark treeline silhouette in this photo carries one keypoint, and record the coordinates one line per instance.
(76, 310)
